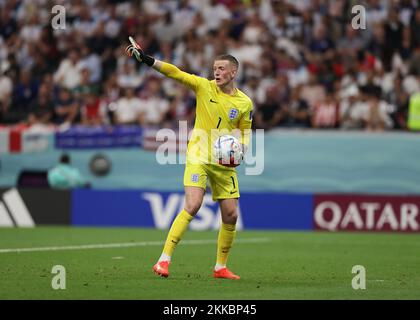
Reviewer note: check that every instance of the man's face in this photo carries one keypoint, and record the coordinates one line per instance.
(224, 72)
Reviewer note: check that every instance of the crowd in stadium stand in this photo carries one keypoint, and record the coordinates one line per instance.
(302, 62)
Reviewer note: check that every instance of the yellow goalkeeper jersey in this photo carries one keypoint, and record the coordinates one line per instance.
(217, 113)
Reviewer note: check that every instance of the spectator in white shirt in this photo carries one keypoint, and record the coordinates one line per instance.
(68, 74)
(153, 106)
(166, 29)
(92, 61)
(377, 115)
(6, 87)
(215, 14)
(128, 108)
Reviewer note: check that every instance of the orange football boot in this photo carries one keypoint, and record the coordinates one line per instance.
(225, 273)
(162, 268)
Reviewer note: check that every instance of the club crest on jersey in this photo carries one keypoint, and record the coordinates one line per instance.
(233, 113)
(194, 177)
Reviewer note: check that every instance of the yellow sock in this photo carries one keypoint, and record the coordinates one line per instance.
(224, 243)
(176, 232)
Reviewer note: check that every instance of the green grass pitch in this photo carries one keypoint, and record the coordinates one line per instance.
(274, 265)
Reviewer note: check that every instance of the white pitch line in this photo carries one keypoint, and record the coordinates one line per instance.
(124, 245)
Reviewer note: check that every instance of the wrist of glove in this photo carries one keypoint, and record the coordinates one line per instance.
(139, 54)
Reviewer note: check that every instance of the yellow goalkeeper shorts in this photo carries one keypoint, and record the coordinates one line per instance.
(223, 180)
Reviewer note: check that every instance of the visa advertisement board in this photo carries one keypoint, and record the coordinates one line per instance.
(25, 207)
(159, 209)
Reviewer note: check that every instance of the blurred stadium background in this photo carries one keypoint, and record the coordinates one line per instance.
(341, 112)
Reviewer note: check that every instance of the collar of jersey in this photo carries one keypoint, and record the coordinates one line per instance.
(228, 95)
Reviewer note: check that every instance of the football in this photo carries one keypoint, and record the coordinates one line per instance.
(228, 151)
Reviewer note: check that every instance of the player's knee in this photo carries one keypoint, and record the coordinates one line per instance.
(234, 217)
(192, 207)
(230, 216)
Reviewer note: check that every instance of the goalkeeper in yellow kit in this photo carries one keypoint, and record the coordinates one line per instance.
(220, 107)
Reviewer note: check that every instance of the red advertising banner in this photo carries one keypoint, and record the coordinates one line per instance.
(334, 212)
